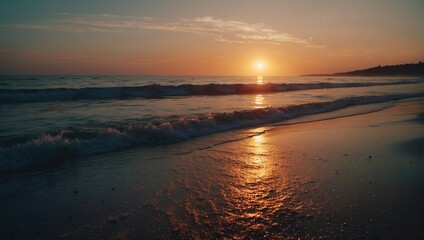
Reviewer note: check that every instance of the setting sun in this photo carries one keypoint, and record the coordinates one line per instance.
(259, 65)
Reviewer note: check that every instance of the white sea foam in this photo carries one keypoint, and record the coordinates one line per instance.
(52, 147)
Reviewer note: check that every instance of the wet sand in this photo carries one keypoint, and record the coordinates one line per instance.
(358, 177)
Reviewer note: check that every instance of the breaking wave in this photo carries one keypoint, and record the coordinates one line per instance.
(68, 143)
(158, 91)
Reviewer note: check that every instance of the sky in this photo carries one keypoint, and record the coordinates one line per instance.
(207, 37)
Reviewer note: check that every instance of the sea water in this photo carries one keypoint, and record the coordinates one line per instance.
(174, 157)
(51, 119)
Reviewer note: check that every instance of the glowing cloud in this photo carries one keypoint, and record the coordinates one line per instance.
(219, 29)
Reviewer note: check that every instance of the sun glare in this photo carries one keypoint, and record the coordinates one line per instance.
(260, 65)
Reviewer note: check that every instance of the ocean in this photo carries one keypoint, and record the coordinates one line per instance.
(53, 119)
(210, 157)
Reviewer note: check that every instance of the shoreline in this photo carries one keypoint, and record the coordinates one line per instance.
(359, 176)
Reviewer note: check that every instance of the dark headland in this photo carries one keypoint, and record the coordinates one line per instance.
(410, 69)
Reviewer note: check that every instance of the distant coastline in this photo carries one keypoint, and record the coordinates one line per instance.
(410, 69)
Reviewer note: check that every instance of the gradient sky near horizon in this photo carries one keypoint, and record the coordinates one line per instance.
(209, 37)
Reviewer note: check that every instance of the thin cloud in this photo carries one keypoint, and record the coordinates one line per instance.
(218, 29)
(6, 54)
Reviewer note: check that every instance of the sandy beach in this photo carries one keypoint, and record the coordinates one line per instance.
(357, 177)
(211, 119)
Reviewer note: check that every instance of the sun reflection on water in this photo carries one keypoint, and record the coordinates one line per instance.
(239, 191)
(257, 164)
(259, 101)
(260, 80)
(255, 201)
(259, 159)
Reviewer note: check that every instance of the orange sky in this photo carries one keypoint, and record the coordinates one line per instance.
(186, 37)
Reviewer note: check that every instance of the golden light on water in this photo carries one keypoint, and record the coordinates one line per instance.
(260, 80)
(259, 101)
(255, 167)
(259, 149)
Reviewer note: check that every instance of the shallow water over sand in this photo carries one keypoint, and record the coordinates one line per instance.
(342, 178)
